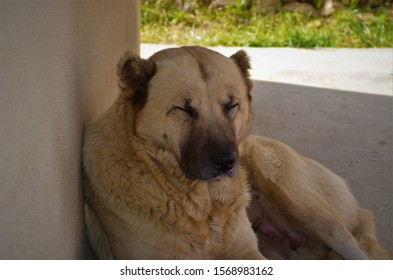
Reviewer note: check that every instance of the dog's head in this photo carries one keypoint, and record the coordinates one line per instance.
(192, 102)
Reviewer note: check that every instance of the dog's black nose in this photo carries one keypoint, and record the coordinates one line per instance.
(224, 161)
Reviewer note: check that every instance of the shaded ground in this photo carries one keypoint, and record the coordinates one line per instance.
(350, 133)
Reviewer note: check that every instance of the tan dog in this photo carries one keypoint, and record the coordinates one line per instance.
(167, 171)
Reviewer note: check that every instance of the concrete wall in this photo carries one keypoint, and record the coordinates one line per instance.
(57, 71)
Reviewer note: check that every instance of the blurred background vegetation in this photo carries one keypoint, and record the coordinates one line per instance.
(269, 23)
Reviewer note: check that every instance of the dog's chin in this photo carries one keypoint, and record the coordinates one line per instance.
(210, 174)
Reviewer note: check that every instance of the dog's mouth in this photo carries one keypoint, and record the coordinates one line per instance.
(210, 175)
(228, 173)
(224, 165)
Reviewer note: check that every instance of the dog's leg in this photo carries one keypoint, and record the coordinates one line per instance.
(245, 244)
(97, 237)
(290, 182)
(342, 241)
(365, 234)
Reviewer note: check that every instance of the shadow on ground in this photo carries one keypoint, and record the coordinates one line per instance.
(350, 133)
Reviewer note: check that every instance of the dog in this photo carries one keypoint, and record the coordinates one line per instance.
(171, 172)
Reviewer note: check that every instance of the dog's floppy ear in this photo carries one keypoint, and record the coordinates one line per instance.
(134, 74)
(243, 62)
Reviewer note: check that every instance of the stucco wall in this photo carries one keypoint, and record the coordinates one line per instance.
(57, 71)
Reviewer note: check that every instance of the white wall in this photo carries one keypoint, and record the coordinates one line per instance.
(57, 70)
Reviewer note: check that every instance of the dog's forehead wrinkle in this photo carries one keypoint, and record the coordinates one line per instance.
(187, 102)
(203, 71)
(230, 98)
(210, 63)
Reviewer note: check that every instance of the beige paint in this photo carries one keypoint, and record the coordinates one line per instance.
(57, 71)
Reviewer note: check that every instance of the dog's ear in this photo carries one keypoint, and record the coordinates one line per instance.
(134, 74)
(243, 62)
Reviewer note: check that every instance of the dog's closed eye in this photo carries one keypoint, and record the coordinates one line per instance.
(187, 108)
(230, 109)
(190, 111)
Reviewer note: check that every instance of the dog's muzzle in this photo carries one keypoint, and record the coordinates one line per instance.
(211, 162)
(224, 162)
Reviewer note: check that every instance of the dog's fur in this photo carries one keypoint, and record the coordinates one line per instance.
(169, 171)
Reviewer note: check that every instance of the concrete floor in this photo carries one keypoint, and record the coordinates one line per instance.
(349, 132)
(335, 106)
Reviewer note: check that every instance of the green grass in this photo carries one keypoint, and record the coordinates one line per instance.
(161, 22)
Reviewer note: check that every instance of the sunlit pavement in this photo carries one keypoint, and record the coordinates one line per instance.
(360, 70)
